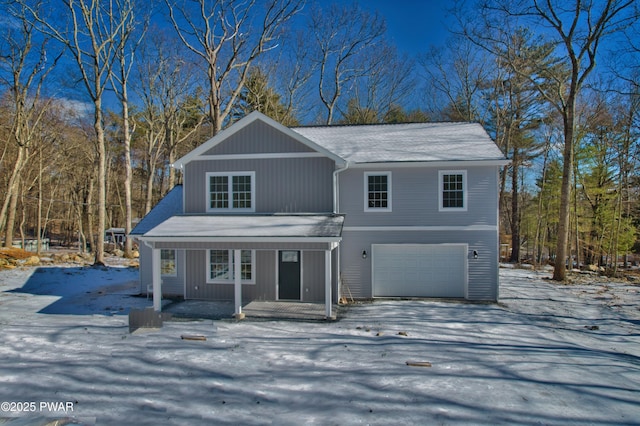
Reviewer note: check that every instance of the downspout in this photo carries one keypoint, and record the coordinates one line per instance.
(336, 192)
(336, 209)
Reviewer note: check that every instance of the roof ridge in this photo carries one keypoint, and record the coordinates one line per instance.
(380, 124)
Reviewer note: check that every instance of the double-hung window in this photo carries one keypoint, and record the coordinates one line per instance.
(231, 192)
(221, 266)
(168, 263)
(453, 190)
(377, 191)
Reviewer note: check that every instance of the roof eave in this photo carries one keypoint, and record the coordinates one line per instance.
(211, 239)
(438, 163)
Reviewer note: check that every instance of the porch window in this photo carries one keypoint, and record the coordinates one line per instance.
(221, 267)
(230, 192)
(377, 191)
(453, 190)
(168, 263)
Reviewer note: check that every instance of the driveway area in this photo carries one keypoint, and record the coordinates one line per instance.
(548, 354)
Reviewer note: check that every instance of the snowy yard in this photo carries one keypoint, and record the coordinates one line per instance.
(546, 354)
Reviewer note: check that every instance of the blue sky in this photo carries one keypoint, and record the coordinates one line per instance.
(413, 25)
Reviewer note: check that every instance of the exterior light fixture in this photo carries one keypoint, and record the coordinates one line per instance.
(364, 254)
(475, 254)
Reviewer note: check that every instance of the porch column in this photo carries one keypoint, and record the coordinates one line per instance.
(328, 304)
(237, 283)
(155, 279)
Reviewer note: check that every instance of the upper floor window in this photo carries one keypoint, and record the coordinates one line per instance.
(230, 191)
(453, 190)
(377, 191)
(221, 266)
(168, 263)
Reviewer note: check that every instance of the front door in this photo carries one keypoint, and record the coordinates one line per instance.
(289, 275)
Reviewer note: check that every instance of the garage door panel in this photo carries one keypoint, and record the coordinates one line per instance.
(419, 270)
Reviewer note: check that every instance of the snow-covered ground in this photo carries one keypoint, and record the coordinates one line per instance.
(546, 354)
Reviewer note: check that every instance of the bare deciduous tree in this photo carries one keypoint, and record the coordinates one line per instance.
(26, 61)
(229, 35)
(169, 112)
(93, 38)
(124, 58)
(343, 36)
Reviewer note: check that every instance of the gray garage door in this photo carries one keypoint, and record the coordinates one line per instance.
(419, 270)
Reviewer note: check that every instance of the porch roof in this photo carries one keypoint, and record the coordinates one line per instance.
(245, 228)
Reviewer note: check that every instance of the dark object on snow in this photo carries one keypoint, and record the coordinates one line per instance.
(146, 318)
(418, 364)
(192, 337)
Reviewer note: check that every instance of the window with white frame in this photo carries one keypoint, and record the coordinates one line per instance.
(168, 263)
(453, 190)
(377, 191)
(230, 192)
(221, 266)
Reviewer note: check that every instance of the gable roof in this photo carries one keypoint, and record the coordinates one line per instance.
(169, 206)
(406, 142)
(241, 124)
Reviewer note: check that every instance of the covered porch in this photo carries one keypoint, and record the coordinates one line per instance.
(256, 249)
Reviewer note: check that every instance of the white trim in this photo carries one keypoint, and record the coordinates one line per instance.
(258, 156)
(237, 282)
(366, 192)
(419, 228)
(328, 302)
(231, 254)
(244, 122)
(464, 207)
(450, 163)
(156, 281)
(230, 176)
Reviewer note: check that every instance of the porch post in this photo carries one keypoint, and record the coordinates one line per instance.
(237, 283)
(327, 284)
(155, 279)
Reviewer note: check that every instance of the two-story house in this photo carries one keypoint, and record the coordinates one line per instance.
(272, 213)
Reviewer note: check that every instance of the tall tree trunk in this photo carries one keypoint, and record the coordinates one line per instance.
(127, 173)
(102, 184)
(149, 196)
(559, 269)
(515, 213)
(39, 225)
(12, 196)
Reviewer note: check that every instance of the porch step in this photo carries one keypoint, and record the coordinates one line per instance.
(287, 310)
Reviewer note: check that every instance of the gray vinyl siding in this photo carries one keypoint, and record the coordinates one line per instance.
(482, 274)
(175, 285)
(145, 272)
(285, 185)
(258, 138)
(171, 286)
(265, 286)
(313, 276)
(415, 198)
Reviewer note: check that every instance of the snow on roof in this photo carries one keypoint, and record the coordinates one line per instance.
(253, 226)
(170, 205)
(407, 142)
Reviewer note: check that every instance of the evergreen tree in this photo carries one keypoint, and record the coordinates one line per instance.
(257, 95)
